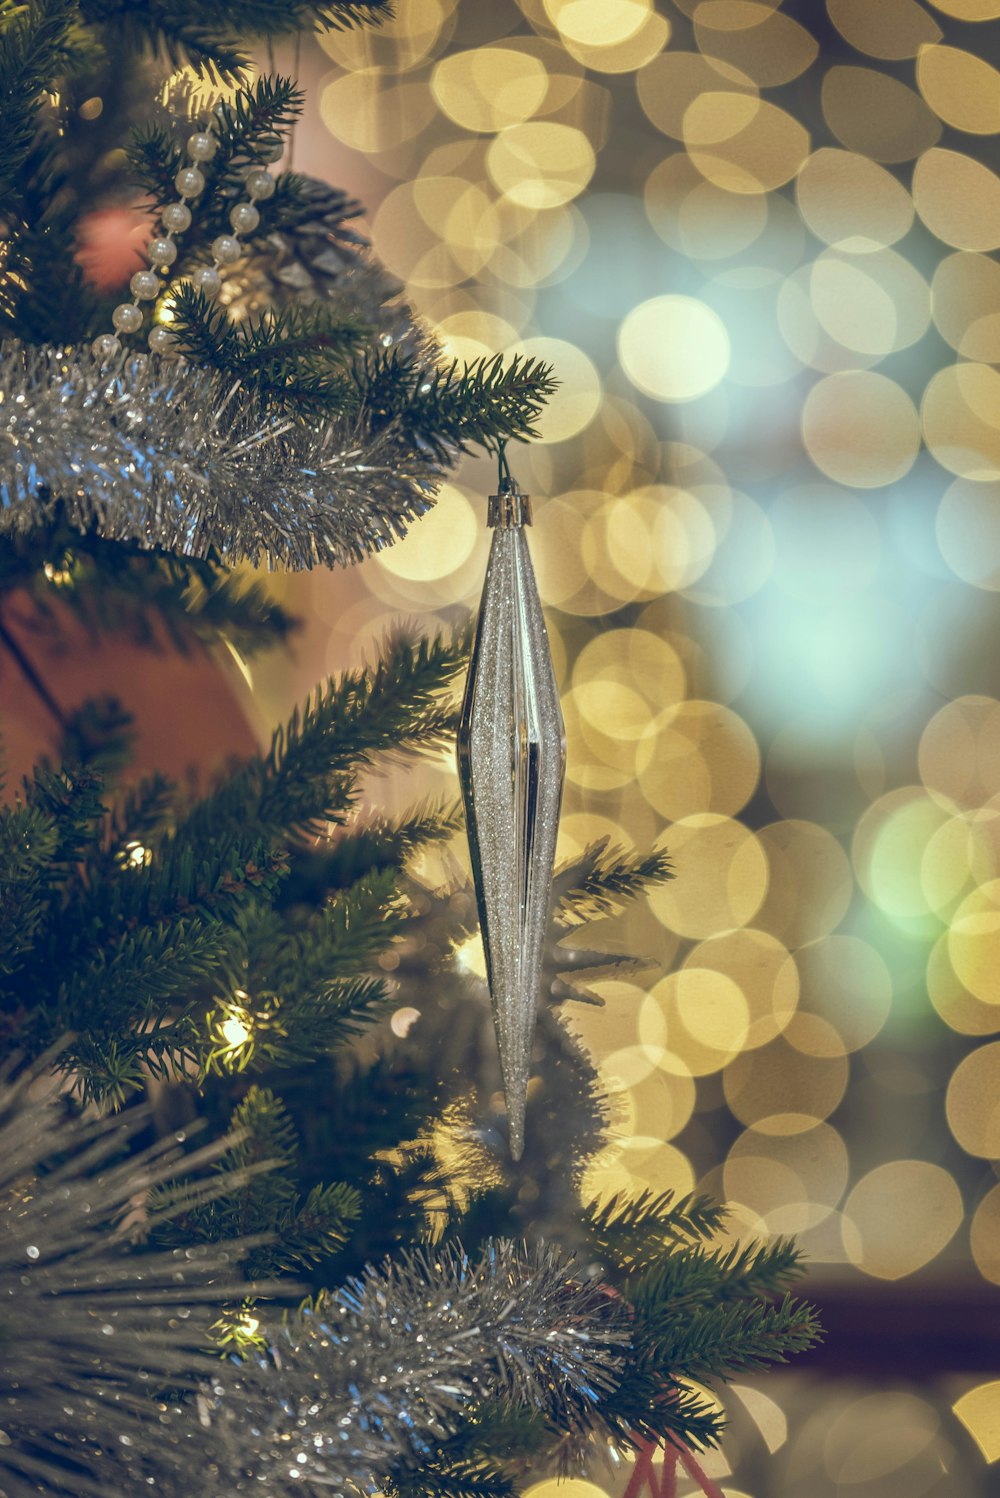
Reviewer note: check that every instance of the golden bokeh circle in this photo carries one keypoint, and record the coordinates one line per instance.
(782, 1089)
(792, 1181)
(697, 756)
(489, 88)
(370, 110)
(722, 881)
(961, 420)
(974, 943)
(861, 429)
(985, 1236)
(892, 29)
(697, 218)
(442, 542)
(674, 348)
(674, 80)
(764, 971)
(541, 163)
(873, 302)
(848, 199)
(810, 883)
(965, 294)
(972, 1102)
(743, 144)
(963, 90)
(899, 1217)
(876, 115)
(960, 1010)
(958, 199)
(767, 45)
(629, 1165)
(959, 752)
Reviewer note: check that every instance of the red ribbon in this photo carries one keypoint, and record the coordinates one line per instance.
(664, 1485)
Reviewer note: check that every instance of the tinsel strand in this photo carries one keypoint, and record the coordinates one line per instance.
(109, 1382)
(166, 454)
(381, 1369)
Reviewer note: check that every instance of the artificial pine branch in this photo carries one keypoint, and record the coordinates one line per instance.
(150, 596)
(633, 1233)
(605, 877)
(264, 1199)
(447, 409)
(33, 43)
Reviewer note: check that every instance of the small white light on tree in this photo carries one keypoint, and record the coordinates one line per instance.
(403, 1020)
(235, 1032)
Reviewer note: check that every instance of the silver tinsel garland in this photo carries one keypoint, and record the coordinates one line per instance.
(167, 454)
(381, 1369)
(107, 1384)
(89, 1331)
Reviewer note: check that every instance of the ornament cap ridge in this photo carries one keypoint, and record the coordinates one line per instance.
(509, 508)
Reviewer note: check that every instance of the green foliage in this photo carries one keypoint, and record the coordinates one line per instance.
(33, 41)
(607, 878)
(266, 1200)
(701, 1312)
(448, 409)
(151, 597)
(210, 34)
(296, 361)
(631, 1233)
(169, 910)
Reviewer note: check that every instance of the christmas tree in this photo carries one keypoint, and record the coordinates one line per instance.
(223, 949)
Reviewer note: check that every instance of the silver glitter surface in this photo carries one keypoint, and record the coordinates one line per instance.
(90, 1332)
(166, 454)
(512, 759)
(378, 1372)
(110, 1382)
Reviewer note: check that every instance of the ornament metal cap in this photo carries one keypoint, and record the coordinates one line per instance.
(508, 508)
(511, 760)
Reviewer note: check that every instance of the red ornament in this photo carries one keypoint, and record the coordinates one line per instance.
(111, 244)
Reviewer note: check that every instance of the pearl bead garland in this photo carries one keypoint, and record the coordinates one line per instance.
(146, 285)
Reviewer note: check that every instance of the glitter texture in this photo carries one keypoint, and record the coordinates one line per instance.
(512, 758)
(110, 1382)
(375, 1374)
(90, 1329)
(166, 454)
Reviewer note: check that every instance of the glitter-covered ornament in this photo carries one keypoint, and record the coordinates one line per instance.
(512, 759)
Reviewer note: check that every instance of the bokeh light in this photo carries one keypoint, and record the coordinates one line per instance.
(757, 242)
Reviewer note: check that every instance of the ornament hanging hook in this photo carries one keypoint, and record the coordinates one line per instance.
(508, 508)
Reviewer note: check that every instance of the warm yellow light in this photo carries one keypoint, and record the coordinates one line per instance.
(235, 1032)
(469, 957)
(674, 348)
(250, 1325)
(60, 576)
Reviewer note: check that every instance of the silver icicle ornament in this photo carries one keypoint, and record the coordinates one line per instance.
(511, 760)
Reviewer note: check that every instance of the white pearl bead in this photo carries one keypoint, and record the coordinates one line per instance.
(226, 249)
(176, 217)
(160, 339)
(244, 218)
(202, 146)
(127, 318)
(259, 184)
(161, 251)
(207, 279)
(145, 285)
(189, 182)
(106, 346)
(273, 152)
